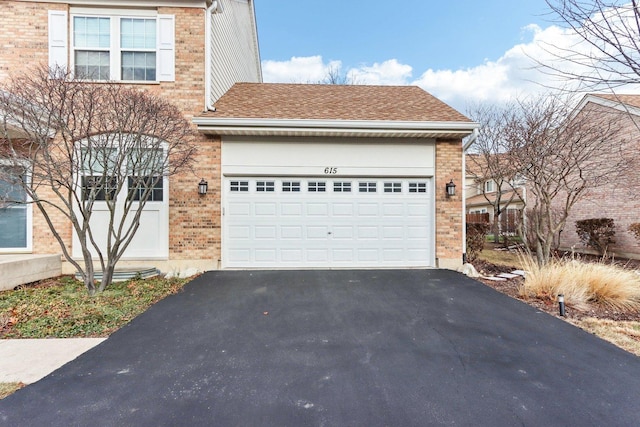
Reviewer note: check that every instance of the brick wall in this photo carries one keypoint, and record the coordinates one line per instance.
(618, 199)
(449, 245)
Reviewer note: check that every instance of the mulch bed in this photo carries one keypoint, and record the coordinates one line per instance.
(511, 288)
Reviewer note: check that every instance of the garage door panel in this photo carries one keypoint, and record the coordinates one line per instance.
(240, 232)
(240, 209)
(291, 255)
(291, 232)
(265, 232)
(291, 209)
(317, 209)
(265, 209)
(335, 227)
(342, 209)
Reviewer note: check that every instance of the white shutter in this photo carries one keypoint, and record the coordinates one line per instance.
(58, 53)
(166, 48)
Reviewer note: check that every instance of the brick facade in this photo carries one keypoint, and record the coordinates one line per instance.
(194, 220)
(618, 199)
(449, 221)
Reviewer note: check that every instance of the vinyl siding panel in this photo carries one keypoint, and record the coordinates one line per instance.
(234, 47)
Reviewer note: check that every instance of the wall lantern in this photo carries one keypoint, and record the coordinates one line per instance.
(203, 186)
(451, 188)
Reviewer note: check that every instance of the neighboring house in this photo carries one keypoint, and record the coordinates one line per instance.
(481, 194)
(620, 198)
(300, 176)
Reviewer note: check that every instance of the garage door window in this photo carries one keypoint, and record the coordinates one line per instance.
(393, 187)
(291, 186)
(342, 187)
(265, 186)
(367, 187)
(417, 187)
(317, 187)
(239, 185)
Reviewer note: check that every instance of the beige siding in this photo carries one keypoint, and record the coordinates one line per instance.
(234, 48)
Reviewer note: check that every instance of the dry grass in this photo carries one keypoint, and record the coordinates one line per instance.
(500, 258)
(583, 284)
(624, 334)
(9, 388)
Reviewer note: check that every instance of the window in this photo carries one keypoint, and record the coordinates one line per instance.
(342, 187)
(290, 186)
(15, 215)
(137, 185)
(488, 186)
(99, 188)
(96, 183)
(367, 187)
(239, 185)
(317, 187)
(417, 187)
(126, 45)
(262, 186)
(393, 187)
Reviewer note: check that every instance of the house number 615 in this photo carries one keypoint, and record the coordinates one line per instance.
(330, 171)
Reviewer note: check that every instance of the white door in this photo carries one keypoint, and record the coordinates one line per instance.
(306, 222)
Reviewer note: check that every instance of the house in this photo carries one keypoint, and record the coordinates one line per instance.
(483, 194)
(299, 176)
(618, 198)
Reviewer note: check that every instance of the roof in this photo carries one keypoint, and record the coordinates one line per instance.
(334, 107)
(480, 199)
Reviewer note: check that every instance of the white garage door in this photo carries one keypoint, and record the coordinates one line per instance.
(321, 222)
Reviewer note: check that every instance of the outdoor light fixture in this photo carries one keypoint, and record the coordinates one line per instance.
(451, 188)
(561, 305)
(203, 186)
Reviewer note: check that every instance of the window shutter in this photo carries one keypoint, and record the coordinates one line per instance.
(58, 39)
(166, 48)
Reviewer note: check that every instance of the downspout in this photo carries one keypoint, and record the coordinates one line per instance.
(214, 7)
(465, 147)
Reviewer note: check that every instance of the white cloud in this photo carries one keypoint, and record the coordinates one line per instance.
(390, 72)
(309, 69)
(516, 73)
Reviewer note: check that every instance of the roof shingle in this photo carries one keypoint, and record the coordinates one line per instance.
(333, 102)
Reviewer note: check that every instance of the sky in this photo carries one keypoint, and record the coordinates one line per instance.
(464, 52)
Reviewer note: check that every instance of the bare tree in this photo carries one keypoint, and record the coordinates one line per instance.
(608, 55)
(562, 154)
(87, 144)
(490, 160)
(334, 76)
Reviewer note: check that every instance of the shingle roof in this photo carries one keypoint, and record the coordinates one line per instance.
(333, 102)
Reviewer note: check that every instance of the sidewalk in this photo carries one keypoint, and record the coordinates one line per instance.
(29, 360)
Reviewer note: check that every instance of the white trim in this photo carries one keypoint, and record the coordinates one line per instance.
(617, 105)
(382, 128)
(29, 207)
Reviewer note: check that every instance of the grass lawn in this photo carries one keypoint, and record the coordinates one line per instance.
(61, 308)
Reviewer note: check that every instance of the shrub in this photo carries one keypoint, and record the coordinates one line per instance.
(583, 283)
(635, 230)
(476, 233)
(596, 233)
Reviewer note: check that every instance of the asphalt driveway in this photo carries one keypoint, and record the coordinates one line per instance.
(337, 348)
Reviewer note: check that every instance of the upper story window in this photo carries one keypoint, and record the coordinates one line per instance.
(488, 186)
(118, 45)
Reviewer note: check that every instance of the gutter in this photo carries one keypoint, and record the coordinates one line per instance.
(214, 7)
(466, 128)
